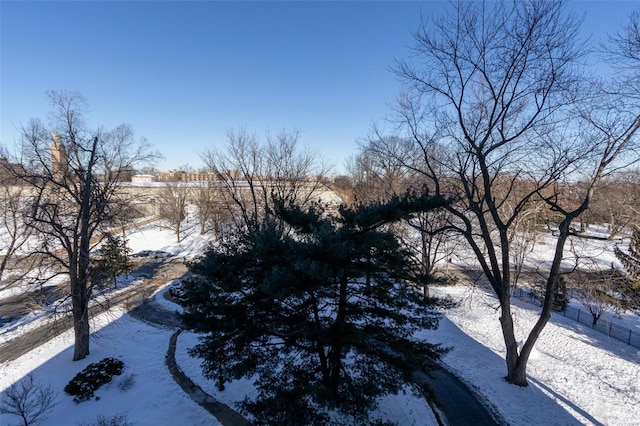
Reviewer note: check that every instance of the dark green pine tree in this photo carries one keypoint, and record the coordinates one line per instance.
(323, 311)
(112, 262)
(631, 258)
(629, 284)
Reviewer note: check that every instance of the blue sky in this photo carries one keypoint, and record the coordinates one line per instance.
(183, 73)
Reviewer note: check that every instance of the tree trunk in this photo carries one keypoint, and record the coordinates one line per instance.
(335, 354)
(516, 370)
(80, 304)
(518, 375)
(3, 264)
(9, 251)
(425, 262)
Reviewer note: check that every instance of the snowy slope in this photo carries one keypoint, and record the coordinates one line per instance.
(577, 375)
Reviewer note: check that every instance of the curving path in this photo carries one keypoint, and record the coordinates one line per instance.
(136, 299)
(456, 404)
(222, 412)
(155, 315)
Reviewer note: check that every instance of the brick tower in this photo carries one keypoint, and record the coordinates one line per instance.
(58, 157)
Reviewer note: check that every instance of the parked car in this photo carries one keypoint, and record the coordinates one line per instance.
(155, 254)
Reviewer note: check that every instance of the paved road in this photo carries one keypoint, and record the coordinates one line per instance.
(457, 403)
(161, 271)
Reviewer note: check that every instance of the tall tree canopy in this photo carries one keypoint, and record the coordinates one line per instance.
(72, 173)
(326, 313)
(502, 119)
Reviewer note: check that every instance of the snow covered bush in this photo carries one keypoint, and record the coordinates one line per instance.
(86, 382)
(175, 293)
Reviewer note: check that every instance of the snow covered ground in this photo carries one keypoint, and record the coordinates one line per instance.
(153, 399)
(577, 375)
(405, 409)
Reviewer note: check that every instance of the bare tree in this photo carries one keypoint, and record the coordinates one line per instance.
(13, 207)
(29, 400)
(209, 199)
(204, 200)
(252, 174)
(435, 247)
(624, 53)
(379, 176)
(617, 203)
(173, 205)
(522, 239)
(73, 174)
(343, 186)
(595, 293)
(489, 106)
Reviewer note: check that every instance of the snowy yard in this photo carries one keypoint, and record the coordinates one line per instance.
(576, 375)
(154, 398)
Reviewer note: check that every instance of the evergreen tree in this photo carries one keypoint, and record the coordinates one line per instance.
(323, 312)
(560, 298)
(631, 262)
(631, 259)
(113, 261)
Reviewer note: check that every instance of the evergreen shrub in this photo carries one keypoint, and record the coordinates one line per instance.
(86, 382)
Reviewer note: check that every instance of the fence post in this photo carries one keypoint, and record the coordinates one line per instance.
(609, 329)
(629, 341)
(578, 319)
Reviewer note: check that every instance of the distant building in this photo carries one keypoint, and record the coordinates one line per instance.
(182, 176)
(144, 178)
(10, 171)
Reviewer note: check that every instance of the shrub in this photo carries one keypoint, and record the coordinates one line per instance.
(176, 294)
(118, 420)
(86, 382)
(127, 382)
(28, 399)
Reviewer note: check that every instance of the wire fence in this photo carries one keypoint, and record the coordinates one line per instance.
(623, 334)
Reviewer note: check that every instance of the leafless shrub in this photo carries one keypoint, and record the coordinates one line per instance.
(127, 382)
(117, 420)
(28, 399)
